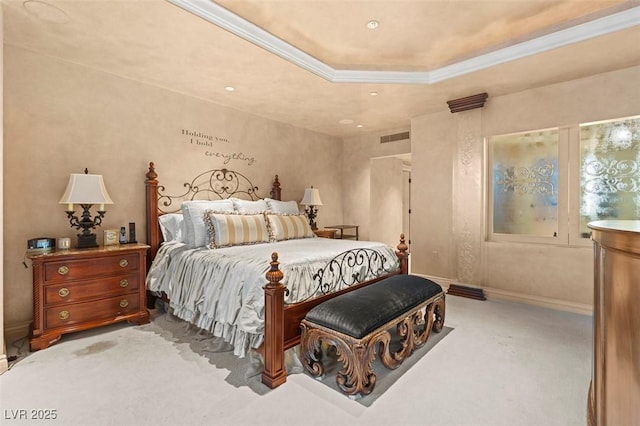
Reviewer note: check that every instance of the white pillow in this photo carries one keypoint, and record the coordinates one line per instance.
(172, 227)
(249, 206)
(288, 226)
(196, 234)
(230, 229)
(286, 207)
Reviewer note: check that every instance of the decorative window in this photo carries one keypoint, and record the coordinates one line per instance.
(525, 183)
(547, 185)
(609, 171)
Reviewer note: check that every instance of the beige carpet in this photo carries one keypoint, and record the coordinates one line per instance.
(246, 371)
(504, 364)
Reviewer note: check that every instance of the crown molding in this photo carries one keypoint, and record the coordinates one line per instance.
(233, 23)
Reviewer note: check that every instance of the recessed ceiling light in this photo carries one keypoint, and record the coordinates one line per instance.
(346, 121)
(373, 93)
(229, 88)
(360, 126)
(373, 24)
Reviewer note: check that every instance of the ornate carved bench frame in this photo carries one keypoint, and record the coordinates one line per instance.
(357, 355)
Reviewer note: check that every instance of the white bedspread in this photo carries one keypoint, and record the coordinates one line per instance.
(221, 291)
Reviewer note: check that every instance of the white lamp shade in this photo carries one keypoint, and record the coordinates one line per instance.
(311, 197)
(85, 189)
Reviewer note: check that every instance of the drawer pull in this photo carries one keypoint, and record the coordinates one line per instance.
(63, 292)
(63, 270)
(63, 315)
(124, 303)
(124, 263)
(124, 283)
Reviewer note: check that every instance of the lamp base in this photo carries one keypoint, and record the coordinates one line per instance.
(312, 213)
(87, 241)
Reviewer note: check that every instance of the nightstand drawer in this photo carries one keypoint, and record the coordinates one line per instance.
(85, 268)
(112, 307)
(78, 291)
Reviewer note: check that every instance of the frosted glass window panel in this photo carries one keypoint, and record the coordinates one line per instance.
(609, 171)
(525, 183)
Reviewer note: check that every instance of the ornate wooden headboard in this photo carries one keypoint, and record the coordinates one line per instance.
(210, 185)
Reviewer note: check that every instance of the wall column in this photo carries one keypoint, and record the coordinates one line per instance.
(468, 190)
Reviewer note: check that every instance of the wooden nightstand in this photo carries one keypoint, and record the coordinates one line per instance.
(325, 233)
(79, 289)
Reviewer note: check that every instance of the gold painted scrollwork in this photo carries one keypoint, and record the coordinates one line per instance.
(357, 355)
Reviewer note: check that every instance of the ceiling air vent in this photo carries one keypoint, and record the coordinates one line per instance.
(395, 137)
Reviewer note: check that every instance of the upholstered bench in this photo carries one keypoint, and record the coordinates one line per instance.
(356, 322)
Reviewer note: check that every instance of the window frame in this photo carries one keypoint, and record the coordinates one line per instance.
(568, 174)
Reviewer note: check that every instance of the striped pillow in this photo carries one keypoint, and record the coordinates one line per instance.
(230, 229)
(287, 227)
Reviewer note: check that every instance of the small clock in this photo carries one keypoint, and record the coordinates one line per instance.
(110, 237)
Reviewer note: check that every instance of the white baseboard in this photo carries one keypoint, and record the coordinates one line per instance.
(494, 293)
(4, 362)
(547, 302)
(444, 282)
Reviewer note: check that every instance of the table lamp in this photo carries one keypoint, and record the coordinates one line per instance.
(86, 190)
(311, 199)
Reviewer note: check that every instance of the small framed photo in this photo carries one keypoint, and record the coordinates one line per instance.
(110, 237)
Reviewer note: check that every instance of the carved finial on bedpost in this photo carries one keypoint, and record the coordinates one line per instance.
(274, 274)
(151, 174)
(154, 238)
(275, 189)
(274, 373)
(403, 256)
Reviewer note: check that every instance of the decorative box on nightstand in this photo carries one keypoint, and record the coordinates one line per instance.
(325, 233)
(79, 289)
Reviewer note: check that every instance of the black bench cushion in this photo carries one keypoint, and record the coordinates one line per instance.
(361, 311)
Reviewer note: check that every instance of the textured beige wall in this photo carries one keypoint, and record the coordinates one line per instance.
(3, 351)
(548, 274)
(61, 118)
(432, 153)
(386, 200)
(356, 174)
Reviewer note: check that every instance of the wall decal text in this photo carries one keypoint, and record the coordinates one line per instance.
(200, 138)
(204, 140)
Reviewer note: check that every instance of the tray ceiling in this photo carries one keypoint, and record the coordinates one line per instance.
(314, 64)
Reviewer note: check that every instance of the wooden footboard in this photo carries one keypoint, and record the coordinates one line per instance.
(282, 322)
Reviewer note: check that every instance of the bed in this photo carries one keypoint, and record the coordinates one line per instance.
(241, 292)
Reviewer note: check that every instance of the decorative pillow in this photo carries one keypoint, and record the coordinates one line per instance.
(172, 227)
(196, 234)
(287, 227)
(249, 206)
(230, 229)
(286, 207)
